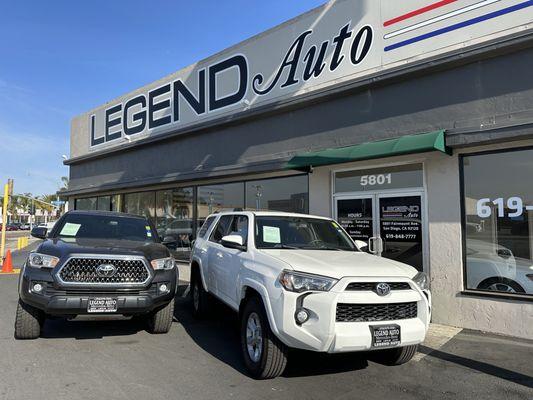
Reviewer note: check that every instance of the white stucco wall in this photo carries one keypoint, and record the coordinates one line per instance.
(508, 317)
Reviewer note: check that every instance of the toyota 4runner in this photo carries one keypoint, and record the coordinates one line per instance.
(300, 281)
(97, 263)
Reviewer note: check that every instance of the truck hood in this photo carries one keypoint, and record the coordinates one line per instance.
(340, 264)
(64, 247)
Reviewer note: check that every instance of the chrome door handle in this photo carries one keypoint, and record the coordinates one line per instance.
(220, 255)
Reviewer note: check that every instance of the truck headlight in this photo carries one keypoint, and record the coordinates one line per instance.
(421, 279)
(38, 260)
(299, 282)
(163, 263)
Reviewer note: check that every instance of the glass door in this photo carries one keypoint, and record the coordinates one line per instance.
(400, 228)
(390, 224)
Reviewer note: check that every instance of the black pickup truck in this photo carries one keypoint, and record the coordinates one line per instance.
(97, 263)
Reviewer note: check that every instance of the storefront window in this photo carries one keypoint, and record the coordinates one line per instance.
(290, 194)
(174, 212)
(104, 203)
(498, 221)
(214, 198)
(396, 177)
(142, 203)
(88, 203)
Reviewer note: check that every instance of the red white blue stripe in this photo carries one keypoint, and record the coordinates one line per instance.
(479, 19)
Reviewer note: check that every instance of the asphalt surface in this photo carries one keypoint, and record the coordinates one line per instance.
(201, 360)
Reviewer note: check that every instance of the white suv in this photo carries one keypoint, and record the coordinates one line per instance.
(300, 281)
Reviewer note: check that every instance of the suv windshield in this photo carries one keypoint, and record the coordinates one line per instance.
(104, 227)
(280, 232)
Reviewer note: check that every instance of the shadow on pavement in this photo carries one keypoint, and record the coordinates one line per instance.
(480, 366)
(61, 328)
(219, 336)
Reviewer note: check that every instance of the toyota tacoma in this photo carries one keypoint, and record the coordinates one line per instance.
(97, 263)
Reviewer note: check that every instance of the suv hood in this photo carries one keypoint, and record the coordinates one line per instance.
(64, 247)
(340, 264)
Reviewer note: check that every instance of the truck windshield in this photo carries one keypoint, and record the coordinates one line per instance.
(104, 227)
(284, 232)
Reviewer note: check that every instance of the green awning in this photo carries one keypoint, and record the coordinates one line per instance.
(410, 144)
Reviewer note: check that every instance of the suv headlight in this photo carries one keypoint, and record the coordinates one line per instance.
(163, 263)
(299, 282)
(38, 260)
(421, 279)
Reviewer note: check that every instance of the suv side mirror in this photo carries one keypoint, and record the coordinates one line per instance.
(363, 246)
(39, 232)
(233, 242)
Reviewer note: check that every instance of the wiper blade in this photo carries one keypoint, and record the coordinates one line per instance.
(320, 248)
(285, 246)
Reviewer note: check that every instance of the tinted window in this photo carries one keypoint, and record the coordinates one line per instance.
(205, 227)
(222, 228)
(498, 206)
(104, 227)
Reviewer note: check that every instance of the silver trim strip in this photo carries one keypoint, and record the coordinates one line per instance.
(105, 257)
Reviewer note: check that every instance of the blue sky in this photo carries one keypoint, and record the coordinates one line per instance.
(62, 58)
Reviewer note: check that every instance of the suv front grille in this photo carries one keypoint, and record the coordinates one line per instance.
(371, 286)
(84, 271)
(375, 312)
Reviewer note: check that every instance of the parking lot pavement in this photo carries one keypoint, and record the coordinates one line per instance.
(201, 360)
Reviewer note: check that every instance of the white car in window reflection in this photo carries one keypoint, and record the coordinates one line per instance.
(494, 267)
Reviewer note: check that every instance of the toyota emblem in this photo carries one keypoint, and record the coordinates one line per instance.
(106, 270)
(382, 289)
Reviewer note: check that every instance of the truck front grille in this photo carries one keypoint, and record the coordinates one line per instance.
(371, 286)
(375, 312)
(127, 271)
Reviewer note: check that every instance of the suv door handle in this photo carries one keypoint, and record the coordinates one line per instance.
(220, 254)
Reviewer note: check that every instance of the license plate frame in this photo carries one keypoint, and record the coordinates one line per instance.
(384, 336)
(102, 305)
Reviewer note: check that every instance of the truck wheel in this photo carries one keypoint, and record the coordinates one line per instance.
(160, 321)
(199, 298)
(264, 355)
(28, 321)
(397, 356)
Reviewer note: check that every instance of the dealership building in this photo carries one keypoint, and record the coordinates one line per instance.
(411, 123)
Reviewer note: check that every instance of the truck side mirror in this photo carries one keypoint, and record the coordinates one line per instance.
(233, 242)
(39, 232)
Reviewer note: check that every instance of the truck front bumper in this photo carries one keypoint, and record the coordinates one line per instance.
(56, 300)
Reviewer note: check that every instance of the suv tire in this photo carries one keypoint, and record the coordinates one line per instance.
(161, 321)
(28, 321)
(398, 356)
(199, 297)
(270, 354)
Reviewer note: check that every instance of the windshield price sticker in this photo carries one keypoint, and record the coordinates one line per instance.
(70, 229)
(513, 207)
(271, 234)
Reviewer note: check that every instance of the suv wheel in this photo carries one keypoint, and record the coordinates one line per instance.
(28, 321)
(264, 355)
(397, 356)
(199, 298)
(160, 321)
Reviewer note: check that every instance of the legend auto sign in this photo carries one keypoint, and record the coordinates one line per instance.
(344, 40)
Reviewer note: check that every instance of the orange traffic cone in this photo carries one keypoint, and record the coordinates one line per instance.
(7, 266)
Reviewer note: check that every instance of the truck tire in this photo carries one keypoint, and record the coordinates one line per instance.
(200, 299)
(265, 356)
(28, 321)
(160, 321)
(397, 356)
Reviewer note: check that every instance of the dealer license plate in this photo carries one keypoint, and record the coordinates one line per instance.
(385, 335)
(102, 305)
